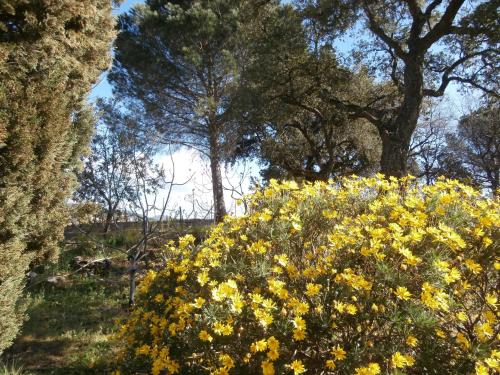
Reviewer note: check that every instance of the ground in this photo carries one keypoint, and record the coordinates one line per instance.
(72, 322)
(71, 325)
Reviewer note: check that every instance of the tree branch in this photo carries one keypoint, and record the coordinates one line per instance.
(377, 30)
(415, 10)
(444, 24)
(431, 7)
(357, 111)
(446, 79)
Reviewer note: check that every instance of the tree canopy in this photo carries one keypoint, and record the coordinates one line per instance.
(422, 47)
(283, 106)
(177, 60)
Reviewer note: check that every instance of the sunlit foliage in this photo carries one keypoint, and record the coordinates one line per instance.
(357, 276)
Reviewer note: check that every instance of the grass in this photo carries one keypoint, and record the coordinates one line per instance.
(71, 325)
(13, 368)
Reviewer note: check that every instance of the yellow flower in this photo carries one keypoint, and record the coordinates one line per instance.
(339, 306)
(351, 309)
(492, 363)
(463, 341)
(282, 259)
(399, 360)
(461, 316)
(312, 289)
(411, 341)
(226, 361)
(371, 369)
(402, 293)
(474, 267)
(302, 308)
(273, 355)
(223, 329)
(267, 368)
(434, 298)
(143, 350)
(491, 299)
(198, 302)
(272, 343)
(297, 367)
(440, 333)
(299, 334)
(484, 331)
(487, 241)
(203, 278)
(205, 336)
(330, 364)
(258, 346)
(221, 371)
(452, 276)
(490, 316)
(299, 323)
(481, 369)
(338, 353)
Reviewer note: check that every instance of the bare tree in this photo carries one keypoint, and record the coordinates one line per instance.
(234, 184)
(106, 176)
(148, 201)
(429, 143)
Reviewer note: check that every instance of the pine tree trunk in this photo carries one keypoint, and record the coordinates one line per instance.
(217, 189)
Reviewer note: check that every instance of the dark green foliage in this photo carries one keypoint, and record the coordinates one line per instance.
(51, 53)
(472, 153)
(177, 60)
(420, 47)
(289, 121)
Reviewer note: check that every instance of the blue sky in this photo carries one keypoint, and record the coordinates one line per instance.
(127, 4)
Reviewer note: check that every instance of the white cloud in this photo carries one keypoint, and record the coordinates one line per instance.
(194, 196)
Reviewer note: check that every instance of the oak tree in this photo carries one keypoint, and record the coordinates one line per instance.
(422, 47)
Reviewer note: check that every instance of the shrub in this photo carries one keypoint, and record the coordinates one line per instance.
(51, 54)
(360, 276)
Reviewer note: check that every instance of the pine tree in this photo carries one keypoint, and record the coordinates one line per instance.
(176, 58)
(283, 101)
(51, 53)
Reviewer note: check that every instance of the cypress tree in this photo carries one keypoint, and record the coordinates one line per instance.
(51, 53)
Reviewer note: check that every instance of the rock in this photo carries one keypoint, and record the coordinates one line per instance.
(56, 280)
(98, 266)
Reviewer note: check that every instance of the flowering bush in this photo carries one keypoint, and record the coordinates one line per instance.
(361, 276)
